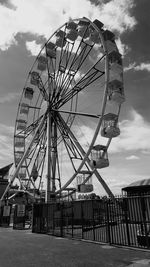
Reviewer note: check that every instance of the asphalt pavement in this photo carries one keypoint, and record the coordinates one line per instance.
(22, 248)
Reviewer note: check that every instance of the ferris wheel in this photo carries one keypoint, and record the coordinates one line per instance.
(69, 108)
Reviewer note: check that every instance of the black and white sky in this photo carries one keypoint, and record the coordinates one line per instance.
(26, 24)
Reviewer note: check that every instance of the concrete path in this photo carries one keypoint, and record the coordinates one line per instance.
(21, 248)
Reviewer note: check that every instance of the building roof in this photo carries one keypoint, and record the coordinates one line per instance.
(144, 183)
(5, 170)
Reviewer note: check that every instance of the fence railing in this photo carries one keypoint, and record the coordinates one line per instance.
(124, 222)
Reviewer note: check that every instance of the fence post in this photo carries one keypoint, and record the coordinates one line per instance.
(82, 218)
(107, 222)
(126, 220)
(144, 220)
(93, 219)
(72, 217)
(61, 220)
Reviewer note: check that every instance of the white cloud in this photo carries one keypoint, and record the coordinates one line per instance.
(44, 17)
(130, 67)
(141, 67)
(132, 157)
(146, 152)
(6, 144)
(116, 15)
(123, 49)
(9, 97)
(33, 47)
(135, 133)
(134, 136)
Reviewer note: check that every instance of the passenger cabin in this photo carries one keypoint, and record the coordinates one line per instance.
(50, 50)
(18, 156)
(116, 91)
(19, 141)
(72, 33)
(60, 39)
(109, 38)
(21, 124)
(42, 63)
(94, 34)
(28, 93)
(110, 127)
(99, 157)
(98, 23)
(114, 58)
(35, 78)
(71, 25)
(83, 29)
(24, 108)
(84, 181)
(115, 64)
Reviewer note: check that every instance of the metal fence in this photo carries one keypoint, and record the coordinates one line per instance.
(19, 216)
(125, 221)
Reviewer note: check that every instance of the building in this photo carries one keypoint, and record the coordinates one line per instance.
(4, 172)
(137, 188)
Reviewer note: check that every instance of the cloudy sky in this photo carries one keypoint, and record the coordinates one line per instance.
(25, 24)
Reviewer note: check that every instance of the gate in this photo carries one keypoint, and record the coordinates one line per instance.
(22, 216)
(78, 219)
(125, 221)
(94, 220)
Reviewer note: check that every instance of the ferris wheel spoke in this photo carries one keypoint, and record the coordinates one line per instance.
(73, 153)
(78, 113)
(35, 160)
(69, 80)
(93, 74)
(82, 152)
(69, 63)
(64, 61)
(69, 70)
(32, 127)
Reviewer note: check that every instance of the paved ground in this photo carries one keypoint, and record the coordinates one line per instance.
(21, 248)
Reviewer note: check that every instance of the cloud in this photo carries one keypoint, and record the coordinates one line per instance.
(9, 97)
(46, 16)
(7, 3)
(134, 136)
(141, 67)
(116, 15)
(135, 133)
(132, 157)
(146, 152)
(6, 144)
(33, 48)
(123, 49)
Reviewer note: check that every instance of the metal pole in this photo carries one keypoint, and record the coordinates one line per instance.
(54, 155)
(48, 187)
